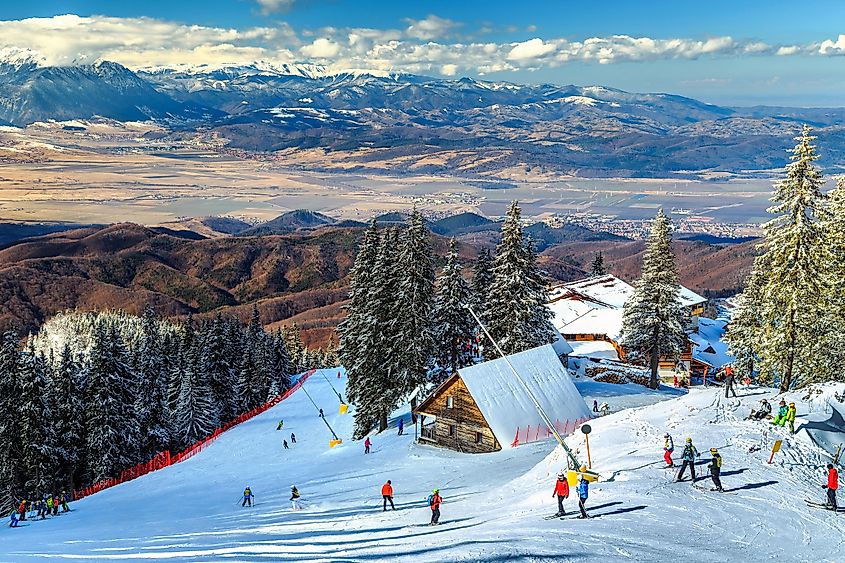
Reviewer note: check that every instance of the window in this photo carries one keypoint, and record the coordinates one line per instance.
(449, 402)
(479, 439)
(452, 430)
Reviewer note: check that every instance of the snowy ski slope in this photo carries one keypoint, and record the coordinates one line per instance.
(494, 503)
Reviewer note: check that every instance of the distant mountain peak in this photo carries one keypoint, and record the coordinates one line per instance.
(21, 57)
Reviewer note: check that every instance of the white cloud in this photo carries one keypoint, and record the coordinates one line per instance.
(432, 27)
(321, 48)
(529, 50)
(829, 47)
(449, 69)
(270, 6)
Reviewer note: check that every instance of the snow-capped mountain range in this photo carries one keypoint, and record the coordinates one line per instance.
(266, 106)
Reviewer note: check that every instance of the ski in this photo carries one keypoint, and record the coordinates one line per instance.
(706, 490)
(823, 506)
(553, 516)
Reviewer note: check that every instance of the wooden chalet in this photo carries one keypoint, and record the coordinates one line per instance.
(482, 407)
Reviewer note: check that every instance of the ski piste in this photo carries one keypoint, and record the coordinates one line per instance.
(706, 490)
(823, 506)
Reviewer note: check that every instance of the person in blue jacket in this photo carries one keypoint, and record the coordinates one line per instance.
(583, 493)
(13, 517)
(401, 426)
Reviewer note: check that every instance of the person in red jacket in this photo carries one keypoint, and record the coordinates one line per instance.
(387, 495)
(434, 502)
(561, 492)
(832, 485)
(22, 510)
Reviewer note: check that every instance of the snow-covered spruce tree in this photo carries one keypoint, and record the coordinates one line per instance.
(11, 466)
(516, 312)
(652, 319)
(38, 443)
(295, 347)
(196, 415)
(330, 358)
(360, 282)
(111, 428)
(831, 343)
(415, 298)
(790, 347)
(744, 330)
(280, 372)
(598, 268)
(482, 280)
(68, 387)
(217, 367)
(453, 323)
(151, 394)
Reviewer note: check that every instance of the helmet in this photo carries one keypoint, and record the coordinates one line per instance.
(561, 475)
(435, 491)
(293, 486)
(689, 440)
(666, 435)
(582, 469)
(714, 451)
(791, 404)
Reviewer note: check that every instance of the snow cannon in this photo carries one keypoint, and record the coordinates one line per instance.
(344, 408)
(589, 476)
(333, 443)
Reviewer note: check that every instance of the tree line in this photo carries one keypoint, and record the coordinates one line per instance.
(92, 394)
(407, 328)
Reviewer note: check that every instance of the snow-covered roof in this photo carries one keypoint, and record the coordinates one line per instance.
(593, 349)
(613, 292)
(561, 346)
(504, 402)
(707, 344)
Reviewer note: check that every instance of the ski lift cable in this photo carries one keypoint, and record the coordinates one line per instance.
(531, 395)
(318, 408)
(339, 397)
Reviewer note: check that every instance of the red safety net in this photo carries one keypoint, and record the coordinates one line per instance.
(164, 459)
(537, 433)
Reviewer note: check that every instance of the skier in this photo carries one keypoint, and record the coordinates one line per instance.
(65, 500)
(583, 493)
(764, 411)
(294, 498)
(716, 468)
(22, 510)
(780, 419)
(832, 485)
(401, 426)
(13, 519)
(49, 504)
(688, 457)
(595, 406)
(434, 502)
(604, 408)
(561, 492)
(55, 505)
(321, 414)
(387, 495)
(292, 438)
(668, 448)
(367, 445)
(790, 417)
(285, 444)
(280, 425)
(729, 381)
(42, 509)
(248, 496)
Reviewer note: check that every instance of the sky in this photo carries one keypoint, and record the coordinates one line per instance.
(733, 53)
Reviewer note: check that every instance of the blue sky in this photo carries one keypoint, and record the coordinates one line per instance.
(725, 52)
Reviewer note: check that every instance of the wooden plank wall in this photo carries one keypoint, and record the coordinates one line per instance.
(466, 418)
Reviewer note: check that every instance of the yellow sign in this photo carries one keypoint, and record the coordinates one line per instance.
(343, 408)
(776, 447)
(333, 443)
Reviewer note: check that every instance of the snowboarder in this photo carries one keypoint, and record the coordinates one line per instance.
(22, 510)
(595, 406)
(668, 448)
(292, 438)
(764, 411)
(716, 468)
(729, 381)
(401, 426)
(583, 493)
(561, 492)
(248, 496)
(294, 498)
(688, 457)
(832, 485)
(285, 444)
(434, 502)
(604, 408)
(780, 419)
(13, 519)
(790, 417)
(367, 445)
(280, 425)
(387, 495)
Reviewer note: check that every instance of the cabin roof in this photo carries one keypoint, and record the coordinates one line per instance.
(707, 344)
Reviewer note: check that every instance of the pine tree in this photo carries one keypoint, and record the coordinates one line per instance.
(280, 375)
(516, 313)
(350, 328)
(195, 416)
(598, 268)
(790, 342)
(217, 366)
(453, 323)
(11, 465)
(151, 395)
(70, 394)
(37, 439)
(250, 396)
(831, 324)
(482, 281)
(746, 323)
(653, 320)
(111, 429)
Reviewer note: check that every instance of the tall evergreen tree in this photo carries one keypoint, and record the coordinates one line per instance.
(453, 323)
(482, 281)
(598, 267)
(516, 313)
(36, 433)
(69, 389)
(746, 324)
(652, 319)
(111, 428)
(217, 367)
(195, 416)
(151, 395)
(280, 369)
(11, 465)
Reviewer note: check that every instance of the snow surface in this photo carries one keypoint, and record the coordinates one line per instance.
(593, 349)
(503, 400)
(708, 346)
(613, 292)
(494, 503)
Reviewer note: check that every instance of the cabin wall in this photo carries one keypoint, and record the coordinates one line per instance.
(456, 427)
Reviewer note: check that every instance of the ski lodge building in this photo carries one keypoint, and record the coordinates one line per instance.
(484, 408)
(588, 313)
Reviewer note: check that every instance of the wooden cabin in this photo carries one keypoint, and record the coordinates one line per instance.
(482, 408)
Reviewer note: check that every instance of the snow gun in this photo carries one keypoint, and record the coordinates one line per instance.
(343, 406)
(335, 441)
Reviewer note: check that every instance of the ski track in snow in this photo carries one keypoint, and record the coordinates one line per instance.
(495, 504)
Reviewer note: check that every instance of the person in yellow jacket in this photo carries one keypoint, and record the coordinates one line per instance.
(790, 417)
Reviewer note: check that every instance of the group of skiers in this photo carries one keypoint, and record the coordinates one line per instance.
(47, 505)
(688, 457)
(295, 498)
(561, 491)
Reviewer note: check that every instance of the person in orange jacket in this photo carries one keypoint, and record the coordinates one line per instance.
(387, 495)
(561, 492)
(832, 485)
(434, 502)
